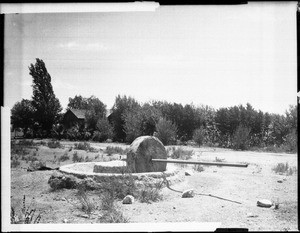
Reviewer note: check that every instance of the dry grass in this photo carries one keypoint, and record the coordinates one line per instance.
(282, 168)
(25, 216)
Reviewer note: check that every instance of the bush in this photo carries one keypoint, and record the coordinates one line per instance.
(284, 168)
(166, 131)
(54, 144)
(198, 136)
(179, 153)
(64, 157)
(84, 146)
(87, 205)
(27, 215)
(110, 150)
(77, 158)
(241, 138)
(198, 168)
(104, 130)
(291, 142)
(151, 194)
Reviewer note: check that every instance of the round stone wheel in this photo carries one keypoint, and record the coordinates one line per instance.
(141, 152)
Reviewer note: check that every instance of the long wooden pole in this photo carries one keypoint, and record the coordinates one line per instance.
(198, 162)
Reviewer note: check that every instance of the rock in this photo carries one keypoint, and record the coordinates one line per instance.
(251, 215)
(188, 173)
(188, 193)
(141, 152)
(65, 221)
(214, 171)
(264, 203)
(128, 199)
(279, 181)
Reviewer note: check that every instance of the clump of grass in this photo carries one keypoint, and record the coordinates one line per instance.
(179, 153)
(54, 144)
(64, 157)
(97, 156)
(282, 168)
(113, 216)
(76, 157)
(84, 146)
(17, 149)
(26, 216)
(151, 194)
(110, 150)
(198, 168)
(87, 205)
(219, 160)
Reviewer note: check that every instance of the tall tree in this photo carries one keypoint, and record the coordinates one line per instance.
(47, 106)
(22, 115)
(121, 105)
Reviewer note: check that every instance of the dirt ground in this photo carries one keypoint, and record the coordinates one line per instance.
(223, 194)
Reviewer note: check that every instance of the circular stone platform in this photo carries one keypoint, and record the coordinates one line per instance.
(84, 170)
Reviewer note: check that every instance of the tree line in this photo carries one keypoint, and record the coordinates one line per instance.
(238, 127)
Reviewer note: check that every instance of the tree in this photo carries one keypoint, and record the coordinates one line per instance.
(46, 105)
(22, 115)
(241, 138)
(78, 102)
(103, 131)
(121, 105)
(198, 136)
(95, 109)
(166, 131)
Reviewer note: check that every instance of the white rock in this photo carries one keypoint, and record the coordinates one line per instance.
(128, 199)
(264, 203)
(188, 193)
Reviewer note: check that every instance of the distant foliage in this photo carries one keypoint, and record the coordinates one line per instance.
(54, 144)
(104, 130)
(241, 138)
(198, 136)
(180, 153)
(166, 131)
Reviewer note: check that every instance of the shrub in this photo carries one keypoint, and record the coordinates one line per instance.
(64, 157)
(84, 146)
(151, 194)
(284, 168)
(54, 144)
(113, 216)
(104, 130)
(31, 158)
(27, 215)
(110, 150)
(77, 158)
(198, 136)
(198, 168)
(290, 144)
(87, 205)
(166, 131)
(241, 138)
(179, 153)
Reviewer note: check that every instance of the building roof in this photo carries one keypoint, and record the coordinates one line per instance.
(79, 113)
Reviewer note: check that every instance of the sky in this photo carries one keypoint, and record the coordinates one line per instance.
(219, 56)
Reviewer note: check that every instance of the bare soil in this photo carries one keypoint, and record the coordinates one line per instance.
(223, 194)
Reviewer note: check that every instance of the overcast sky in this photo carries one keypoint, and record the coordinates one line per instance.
(213, 55)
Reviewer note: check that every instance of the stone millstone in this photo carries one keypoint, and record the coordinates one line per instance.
(141, 152)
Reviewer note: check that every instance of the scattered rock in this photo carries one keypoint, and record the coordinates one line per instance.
(128, 199)
(214, 171)
(251, 215)
(65, 221)
(174, 207)
(284, 179)
(279, 181)
(188, 173)
(264, 203)
(188, 193)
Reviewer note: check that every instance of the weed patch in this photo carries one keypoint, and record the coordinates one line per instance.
(25, 216)
(76, 157)
(84, 146)
(284, 168)
(54, 144)
(110, 150)
(179, 153)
